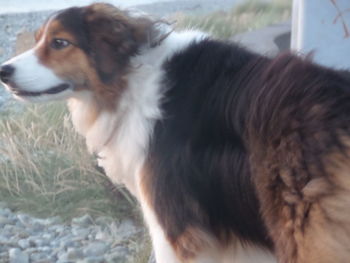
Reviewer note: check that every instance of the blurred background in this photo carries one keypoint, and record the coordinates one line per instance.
(45, 170)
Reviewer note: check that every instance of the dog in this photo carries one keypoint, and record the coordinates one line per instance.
(233, 156)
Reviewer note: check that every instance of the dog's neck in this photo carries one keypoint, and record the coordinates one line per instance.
(120, 137)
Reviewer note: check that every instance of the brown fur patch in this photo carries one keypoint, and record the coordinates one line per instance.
(191, 243)
(309, 223)
(70, 63)
(301, 164)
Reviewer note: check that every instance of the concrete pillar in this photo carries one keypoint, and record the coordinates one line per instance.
(322, 27)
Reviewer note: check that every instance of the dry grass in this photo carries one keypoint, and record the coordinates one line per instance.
(46, 170)
(251, 15)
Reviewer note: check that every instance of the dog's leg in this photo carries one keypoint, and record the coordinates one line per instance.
(208, 257)
(306, 206)
(163, 251)
(182, 251)
(191, 246)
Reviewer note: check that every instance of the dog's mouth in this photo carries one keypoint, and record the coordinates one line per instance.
(51, 91)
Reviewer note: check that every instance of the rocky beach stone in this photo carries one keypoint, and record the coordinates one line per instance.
(5, 212)
(81, 232)
(18, 256)
(25, 219)
(95, 249)
(23, 243)
(82, 221)
(4, 221)
(24, 238)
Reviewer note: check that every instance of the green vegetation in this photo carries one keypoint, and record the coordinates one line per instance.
(46, 170)
(250, 15)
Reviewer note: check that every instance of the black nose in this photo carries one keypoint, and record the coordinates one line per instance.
(6, 72)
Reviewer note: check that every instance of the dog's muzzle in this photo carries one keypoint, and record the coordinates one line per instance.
(6, 72)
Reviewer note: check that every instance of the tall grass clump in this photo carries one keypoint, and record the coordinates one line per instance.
(250, 15)
(46, 170)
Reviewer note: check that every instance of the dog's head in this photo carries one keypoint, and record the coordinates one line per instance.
(85, 48)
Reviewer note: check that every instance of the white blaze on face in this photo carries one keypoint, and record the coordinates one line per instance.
(31, 75)
(33, 81)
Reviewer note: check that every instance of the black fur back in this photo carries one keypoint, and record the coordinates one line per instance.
(199, 170)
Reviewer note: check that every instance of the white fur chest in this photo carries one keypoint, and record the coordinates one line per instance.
(121, 137)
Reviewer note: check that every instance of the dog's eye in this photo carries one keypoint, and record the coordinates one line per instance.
(58, 43)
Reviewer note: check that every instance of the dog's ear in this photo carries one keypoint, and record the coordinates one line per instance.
(115, 36)
(111, 40)
(151, 32)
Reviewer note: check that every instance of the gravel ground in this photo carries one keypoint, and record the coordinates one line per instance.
(25, 239)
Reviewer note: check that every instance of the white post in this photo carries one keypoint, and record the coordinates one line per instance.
(322, 27)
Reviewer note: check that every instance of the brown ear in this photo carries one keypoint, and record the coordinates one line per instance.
(115, 36)
(112, 40)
